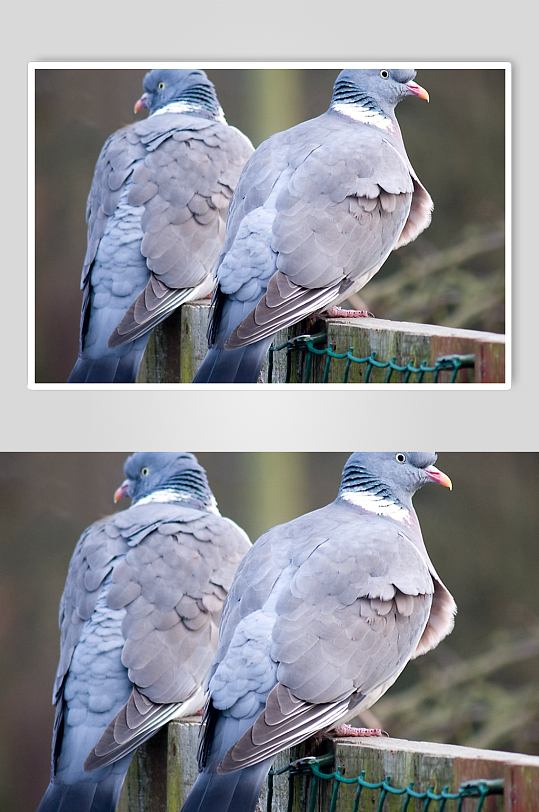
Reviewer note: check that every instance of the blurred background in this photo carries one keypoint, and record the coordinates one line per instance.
(479, 687)
(453, 274)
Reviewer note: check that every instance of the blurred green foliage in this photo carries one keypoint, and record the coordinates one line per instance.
(479, 686)
(456, 145)
(489, 700)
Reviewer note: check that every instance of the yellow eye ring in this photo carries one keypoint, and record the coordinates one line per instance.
(144, 471)
(161, 85)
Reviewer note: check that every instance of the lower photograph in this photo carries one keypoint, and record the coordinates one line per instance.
(290, 632)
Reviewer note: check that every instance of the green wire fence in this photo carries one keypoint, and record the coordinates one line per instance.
(373, 351)
(306, 344)
(310, 767)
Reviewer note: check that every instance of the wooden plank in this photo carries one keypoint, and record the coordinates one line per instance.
(363, 339)
(475, 767)
(195, 321)
(405, 342)
(164, 769)
(178, 346)
(521, 790)
(298, 360)
(145, 785)
(438, 765)
(161, 361)
(182, 765)
(490, 362)
(403, 766)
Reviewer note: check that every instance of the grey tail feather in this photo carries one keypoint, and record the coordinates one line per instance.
(241, 365)
(85, 796)
(231, 792)
(108, 369)
(234, 792)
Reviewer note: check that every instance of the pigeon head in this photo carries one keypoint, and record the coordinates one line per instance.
(390, 478)
(165, 477)
(375, 90)
(178, 90)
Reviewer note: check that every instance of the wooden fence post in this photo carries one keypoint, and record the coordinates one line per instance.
(164, 769)
(405, 341)
(178, 346)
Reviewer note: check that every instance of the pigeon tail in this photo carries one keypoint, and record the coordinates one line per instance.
(242, 365)
(233, 791)
(84, 796)
(112, 367)
(228, 793)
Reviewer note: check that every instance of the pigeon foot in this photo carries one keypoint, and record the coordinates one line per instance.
(338, 313)
(343, 731)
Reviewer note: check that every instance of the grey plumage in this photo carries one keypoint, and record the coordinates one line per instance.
(139, 625)
(156, 217)
(316, 212)
(324, 613)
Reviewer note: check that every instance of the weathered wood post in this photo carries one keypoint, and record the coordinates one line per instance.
(164, 770)
(178, 346)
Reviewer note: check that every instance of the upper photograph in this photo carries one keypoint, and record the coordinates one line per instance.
(269, 224)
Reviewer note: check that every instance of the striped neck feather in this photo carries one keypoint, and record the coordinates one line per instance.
(197, 100)
(188, 485)
(374, 503)
(353, 103)
(173, 495)
(360, 489)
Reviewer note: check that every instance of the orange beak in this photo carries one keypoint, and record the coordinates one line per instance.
(417, 90)
(436, 475)
(142, 103)
(121, 491)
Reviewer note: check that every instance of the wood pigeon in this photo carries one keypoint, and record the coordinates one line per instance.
(323, 615)
(139, 623)
(156, 220)
(317, 211)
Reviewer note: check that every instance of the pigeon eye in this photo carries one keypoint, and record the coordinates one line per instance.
(144, 471)
(161, 85)
(384, 74)
(400, 458)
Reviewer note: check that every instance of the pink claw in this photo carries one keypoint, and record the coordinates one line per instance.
(338, 313)
(348, 730)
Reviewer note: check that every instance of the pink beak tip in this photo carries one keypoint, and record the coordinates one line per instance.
(438, 476)
(417, 90)
(120, 492)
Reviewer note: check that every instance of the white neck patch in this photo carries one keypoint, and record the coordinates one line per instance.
(168, 495)
(188, 107)
(377, 504)
(359, 113)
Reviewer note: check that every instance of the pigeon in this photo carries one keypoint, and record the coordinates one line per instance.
(156, 220)
(323, 615)
(317, 211)
(139, 625)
